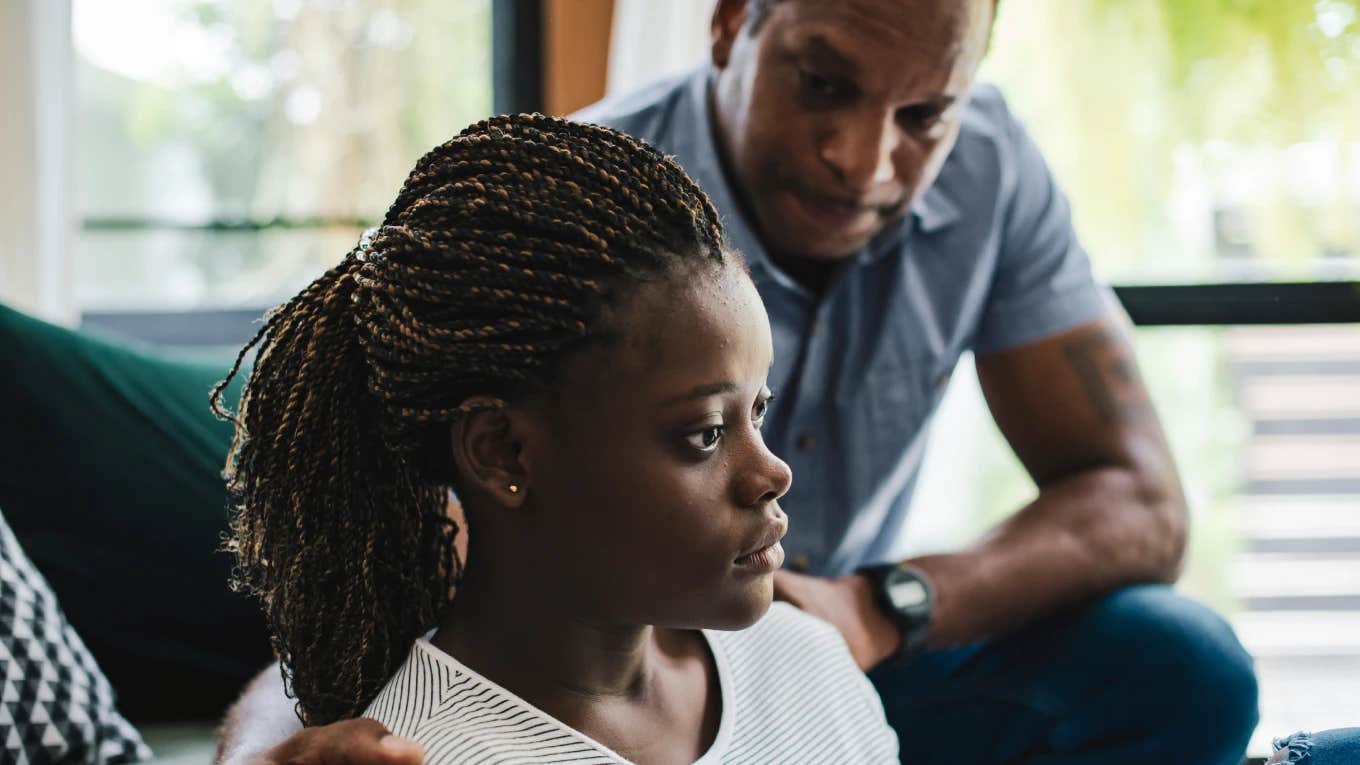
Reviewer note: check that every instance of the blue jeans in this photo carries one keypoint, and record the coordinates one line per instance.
(1142, 676)
(1329, 747)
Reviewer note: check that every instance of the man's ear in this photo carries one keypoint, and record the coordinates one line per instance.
(488, 451)
(729, 16)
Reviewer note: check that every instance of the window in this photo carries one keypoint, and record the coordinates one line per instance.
(227, 152)
(1199, 142)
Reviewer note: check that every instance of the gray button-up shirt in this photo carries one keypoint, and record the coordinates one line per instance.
(986, 260)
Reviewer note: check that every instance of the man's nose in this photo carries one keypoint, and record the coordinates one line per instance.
(861, 151)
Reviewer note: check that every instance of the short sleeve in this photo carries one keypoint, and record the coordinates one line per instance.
(1043, 282)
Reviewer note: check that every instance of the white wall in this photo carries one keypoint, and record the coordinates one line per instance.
(37, 221)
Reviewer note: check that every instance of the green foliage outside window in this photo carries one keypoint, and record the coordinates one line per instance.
(1200, 140)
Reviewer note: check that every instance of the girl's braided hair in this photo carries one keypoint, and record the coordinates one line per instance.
(497, 259)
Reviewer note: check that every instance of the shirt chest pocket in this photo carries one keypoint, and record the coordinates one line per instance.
(894, 397)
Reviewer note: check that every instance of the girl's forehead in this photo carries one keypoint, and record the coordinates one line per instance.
(679, 332)
(711, 306)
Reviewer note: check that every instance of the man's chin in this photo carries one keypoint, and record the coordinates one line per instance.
(794, 233)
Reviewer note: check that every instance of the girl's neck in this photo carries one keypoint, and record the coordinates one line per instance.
(651, 694)
(536, 648)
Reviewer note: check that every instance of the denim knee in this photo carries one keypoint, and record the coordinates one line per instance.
(1293, 750)
(1189, 653)
(1329, 747)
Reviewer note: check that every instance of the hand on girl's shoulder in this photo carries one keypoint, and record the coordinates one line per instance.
(348, 742)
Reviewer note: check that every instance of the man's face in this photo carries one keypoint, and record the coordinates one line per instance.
(836, 115)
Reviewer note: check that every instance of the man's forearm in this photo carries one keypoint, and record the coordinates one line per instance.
(261, 718)
(1087, 534)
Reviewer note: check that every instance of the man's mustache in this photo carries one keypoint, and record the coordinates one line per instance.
(887, 206)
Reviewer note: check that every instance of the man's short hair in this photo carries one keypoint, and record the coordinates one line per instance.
(756, 13)
(758, 10)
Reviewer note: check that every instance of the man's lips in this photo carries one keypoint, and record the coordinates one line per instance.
(840, 212)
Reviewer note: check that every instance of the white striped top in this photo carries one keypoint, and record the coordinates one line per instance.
(791, 693)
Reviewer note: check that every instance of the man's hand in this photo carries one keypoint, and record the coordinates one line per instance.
(847, 602)
(351, 742)
(262, 729)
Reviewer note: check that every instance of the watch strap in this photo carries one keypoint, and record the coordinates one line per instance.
(913, 623)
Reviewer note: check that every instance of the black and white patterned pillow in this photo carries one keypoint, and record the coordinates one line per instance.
(55, 704)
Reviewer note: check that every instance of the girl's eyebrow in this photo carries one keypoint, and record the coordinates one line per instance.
(703, 391)
(706, 390)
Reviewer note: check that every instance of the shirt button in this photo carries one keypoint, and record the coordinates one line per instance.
(799, 563)
(806, 442)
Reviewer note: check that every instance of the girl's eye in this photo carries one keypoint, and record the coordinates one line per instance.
(758, 415)
(705, 440)
(762, 408)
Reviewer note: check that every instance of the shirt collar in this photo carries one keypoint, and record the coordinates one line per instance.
(697, 150)
(935, 209)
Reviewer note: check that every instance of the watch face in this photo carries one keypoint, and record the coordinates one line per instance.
(906, 592)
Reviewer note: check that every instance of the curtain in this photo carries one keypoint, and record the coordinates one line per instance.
(37, 223)
(651, 40)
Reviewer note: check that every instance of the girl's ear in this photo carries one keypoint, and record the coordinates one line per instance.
(488, 451)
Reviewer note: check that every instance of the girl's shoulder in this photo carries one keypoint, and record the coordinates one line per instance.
(456, 713)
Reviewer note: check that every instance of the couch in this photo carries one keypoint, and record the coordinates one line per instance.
(110, 477)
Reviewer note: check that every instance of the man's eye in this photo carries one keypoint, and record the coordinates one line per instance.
(920, 118)
(821, 87)
(705, 440)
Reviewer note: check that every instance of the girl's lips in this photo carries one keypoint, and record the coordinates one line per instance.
(766, 560)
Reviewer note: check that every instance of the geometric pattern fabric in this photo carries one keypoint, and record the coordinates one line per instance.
(55, 704)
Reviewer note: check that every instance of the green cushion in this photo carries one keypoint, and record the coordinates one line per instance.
(110, 476)
(180, 743)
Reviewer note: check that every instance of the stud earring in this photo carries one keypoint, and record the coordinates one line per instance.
(514, 488)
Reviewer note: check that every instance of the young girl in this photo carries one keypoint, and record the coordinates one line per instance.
(547, 322)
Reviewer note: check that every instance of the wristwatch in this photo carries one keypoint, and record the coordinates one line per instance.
(905, 596)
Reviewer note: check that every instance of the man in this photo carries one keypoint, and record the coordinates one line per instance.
(894, 216)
